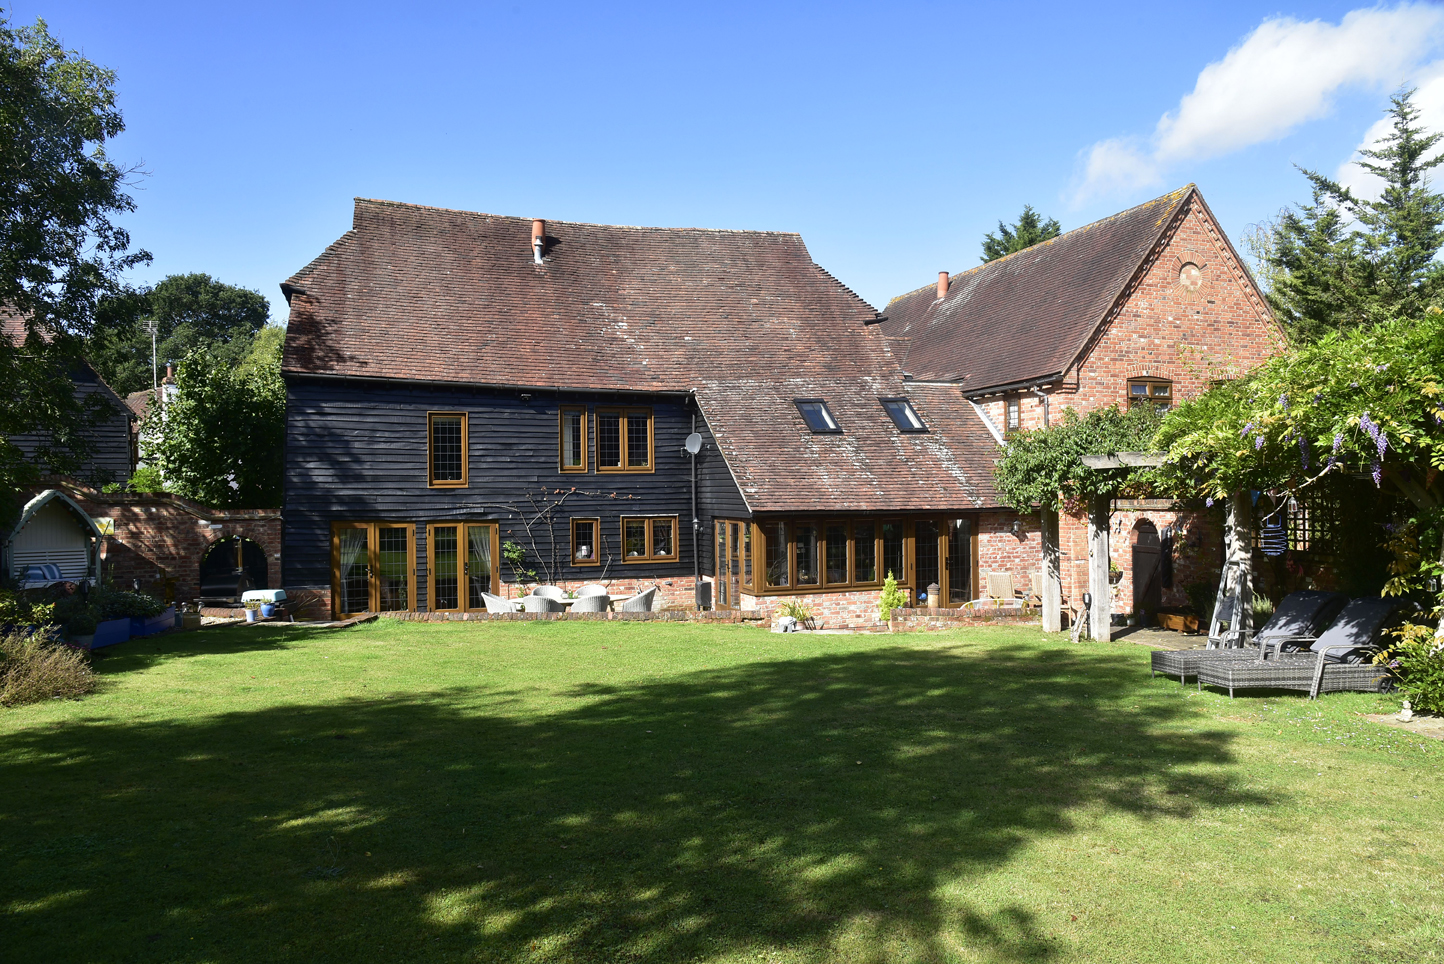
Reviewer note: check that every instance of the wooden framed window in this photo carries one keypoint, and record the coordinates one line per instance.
(373, 568)
(446, 459)
(461, 564)
(624, 440)
(1155, 391)
(894, 551)
(864, 554)
(777, 568)
(835, 554)
(649, 540)
(1012, 416)
(806, 554)
(586, 539)
(572, 438)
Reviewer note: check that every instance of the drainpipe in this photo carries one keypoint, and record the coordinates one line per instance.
(696, 524)
(1044, 397)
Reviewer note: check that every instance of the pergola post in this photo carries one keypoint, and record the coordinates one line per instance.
(1240, 523)
(1101, 613)
(1052, 574)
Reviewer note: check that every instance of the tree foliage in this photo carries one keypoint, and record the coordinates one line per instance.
(59, 250)
(1044, 468)
(1345, 260)
(190, 311)
(221, 440)
(1029, 230)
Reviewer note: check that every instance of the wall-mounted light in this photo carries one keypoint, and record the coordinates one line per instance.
(1017, 526)
(525, 397)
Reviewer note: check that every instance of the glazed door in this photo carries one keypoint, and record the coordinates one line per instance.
(481, 573)
(927, 569)
(461, 563)
(734, 564)
(373, 568)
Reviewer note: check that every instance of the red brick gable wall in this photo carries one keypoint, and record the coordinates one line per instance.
(1166, 330)
(1163, 330)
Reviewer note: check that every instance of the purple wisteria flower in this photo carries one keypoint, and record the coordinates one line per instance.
(1304, 452)
(1246, 429)
(1381, 441)
(1378, 475)
(1257, 442)
(1382, 368)
(1338, 441)
(1284, 402)
(1208, 502)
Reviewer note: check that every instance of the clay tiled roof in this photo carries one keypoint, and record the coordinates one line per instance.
(743, 319)
(1026, 316)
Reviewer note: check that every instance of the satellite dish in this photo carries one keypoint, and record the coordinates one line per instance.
(693, 445)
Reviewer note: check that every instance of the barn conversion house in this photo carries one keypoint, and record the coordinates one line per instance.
(463, 387)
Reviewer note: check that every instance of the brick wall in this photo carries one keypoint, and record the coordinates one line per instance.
(160, 540)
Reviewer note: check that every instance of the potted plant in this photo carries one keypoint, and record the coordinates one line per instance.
(1115, 574)
(253, 610)
(268, 610)
(81, 629)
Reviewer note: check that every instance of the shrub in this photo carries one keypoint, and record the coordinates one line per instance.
(38, 666)
(18, 609)
(1417, 658)
(119, 604)
(891, 598)
(147, 479)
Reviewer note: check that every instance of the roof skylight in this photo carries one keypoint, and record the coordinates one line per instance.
(817, 416)
(900, 410)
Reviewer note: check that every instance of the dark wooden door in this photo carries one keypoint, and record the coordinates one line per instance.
(1147, 573)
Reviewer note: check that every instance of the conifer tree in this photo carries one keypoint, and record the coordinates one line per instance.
(1030, 230)
(1344, 260)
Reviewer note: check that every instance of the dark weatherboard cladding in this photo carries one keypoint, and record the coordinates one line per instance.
(357, 452)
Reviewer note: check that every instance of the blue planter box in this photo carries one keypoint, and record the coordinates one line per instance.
(146, 625)
(110, 632)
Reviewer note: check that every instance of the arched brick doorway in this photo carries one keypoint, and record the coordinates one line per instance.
(230, 566)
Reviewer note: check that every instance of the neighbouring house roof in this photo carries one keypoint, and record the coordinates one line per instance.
(12, 326)
(743, 319)
(1027, 316)
(139, 402)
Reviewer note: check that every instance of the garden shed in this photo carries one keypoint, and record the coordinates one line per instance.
(53, 530)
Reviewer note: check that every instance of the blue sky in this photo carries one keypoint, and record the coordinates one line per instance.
(890, 136)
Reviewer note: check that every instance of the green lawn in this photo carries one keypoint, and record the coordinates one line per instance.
(658, 793)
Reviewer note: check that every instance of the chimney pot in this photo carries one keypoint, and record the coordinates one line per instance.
(942, 284)
(538, 239)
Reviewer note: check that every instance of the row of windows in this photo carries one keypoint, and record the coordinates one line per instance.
(624, 443)
(807, 555)
(818, 416)
(642, 540)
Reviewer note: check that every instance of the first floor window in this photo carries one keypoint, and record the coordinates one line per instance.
(1155, 391)
(624, 440)
(446, 449)
(1013, 417)
(573, 438)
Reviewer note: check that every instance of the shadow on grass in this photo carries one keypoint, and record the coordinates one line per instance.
(837, 806)
(148, 651)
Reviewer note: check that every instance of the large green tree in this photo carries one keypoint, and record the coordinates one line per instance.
(189, 312)
(221, 440)
(60, 252)
(1345, 260)
(1029, 230)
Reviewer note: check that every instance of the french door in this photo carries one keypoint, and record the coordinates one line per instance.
(461, 562)
(373, 568)
(734, 564)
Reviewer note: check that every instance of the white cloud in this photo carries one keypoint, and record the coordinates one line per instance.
(1283, 74)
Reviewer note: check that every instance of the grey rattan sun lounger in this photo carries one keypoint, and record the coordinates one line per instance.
(1338, 660)
(1301, 615)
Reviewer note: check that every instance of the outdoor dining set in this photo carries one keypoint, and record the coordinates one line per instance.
(1316, 642)
(591, 598)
